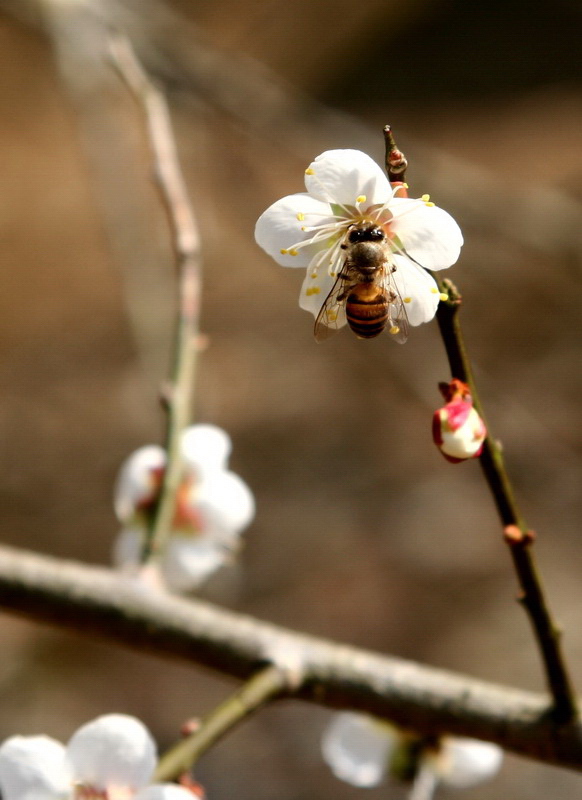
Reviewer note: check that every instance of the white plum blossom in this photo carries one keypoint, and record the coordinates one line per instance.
(111, 758)
(213, 506)
(361, 750)
(345, 187)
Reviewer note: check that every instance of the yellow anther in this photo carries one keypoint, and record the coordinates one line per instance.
(434, 290)
(292, 252)
(312, 290)
(284, 252)
(405, 186)
(425, 198)
(443, 296)
(429, 205)
(309, 171)
(300, 216)
(361, 198)
(407, 299)
(304, 227)
(395, 329)
(314, 274)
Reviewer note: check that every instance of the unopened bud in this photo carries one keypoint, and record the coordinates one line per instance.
(458, 430)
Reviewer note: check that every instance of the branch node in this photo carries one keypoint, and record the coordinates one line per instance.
(515, 536)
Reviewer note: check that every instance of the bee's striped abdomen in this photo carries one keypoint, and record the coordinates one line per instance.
(367, 310)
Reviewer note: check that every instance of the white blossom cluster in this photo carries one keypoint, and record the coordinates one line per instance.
(213, 507)
(111, 758)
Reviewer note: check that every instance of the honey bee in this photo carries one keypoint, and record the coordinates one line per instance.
(364, 290)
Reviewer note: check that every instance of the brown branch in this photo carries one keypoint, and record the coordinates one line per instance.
(517, 536)
(98, 602)
(186, 240)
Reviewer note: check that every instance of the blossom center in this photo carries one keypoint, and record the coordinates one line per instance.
(86, 792)
(83, 792)
(187, 518)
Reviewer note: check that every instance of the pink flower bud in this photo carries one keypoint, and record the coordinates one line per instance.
(457, 429)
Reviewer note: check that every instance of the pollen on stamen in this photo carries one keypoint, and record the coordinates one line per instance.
(312, 290)
(284, 251)
(361, 198)
(426, 200)
(292, 252)
(309, 171)
(300, 216)
(314, 274)
(434, 290)
(443, 296)
(394, 329)
(407, 299)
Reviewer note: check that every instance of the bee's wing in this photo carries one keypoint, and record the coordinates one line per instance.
(332, 315)
(398, 326)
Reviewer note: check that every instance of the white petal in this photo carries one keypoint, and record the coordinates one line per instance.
(114, 750)
(314, 291)
(34, 768)
(417, 289)
(466, 440)
(134, 481)
(341, 176)
(127, 549)
(188, 562)
(465, 762)
(429, 234)
(357, 749)
(279, 228)
(205, 448)
(164, 791)
(225, 501)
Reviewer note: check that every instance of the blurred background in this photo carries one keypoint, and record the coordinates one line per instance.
(363, 532)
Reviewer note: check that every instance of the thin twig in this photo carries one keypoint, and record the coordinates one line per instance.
(265, 685)
(98, 602)
(186, 240)
(517, 535)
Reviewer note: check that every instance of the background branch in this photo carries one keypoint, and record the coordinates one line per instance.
(96, 601)
(186, 240)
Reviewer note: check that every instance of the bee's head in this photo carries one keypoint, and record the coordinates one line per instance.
(365, 232)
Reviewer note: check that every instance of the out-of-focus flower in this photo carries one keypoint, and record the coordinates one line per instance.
(362, 750)
(213, 506)
(458, 430)
(346, 187)
(111, 758)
